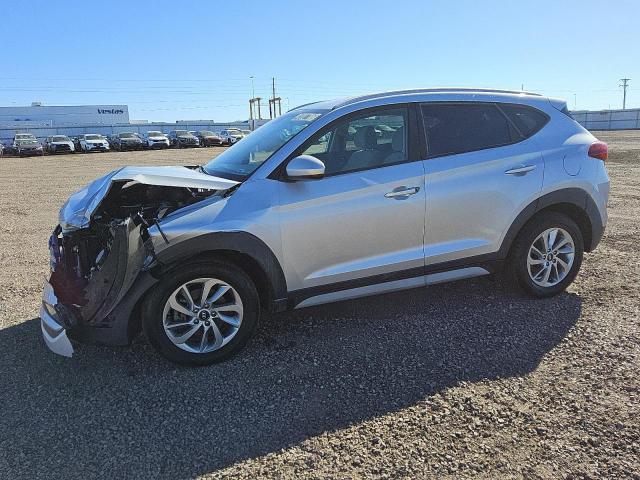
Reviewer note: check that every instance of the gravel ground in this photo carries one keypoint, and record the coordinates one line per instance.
(457, 380)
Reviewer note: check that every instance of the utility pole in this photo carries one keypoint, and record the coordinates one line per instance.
(274, 100)
(273, 86)
(624, 85)
(253, 96)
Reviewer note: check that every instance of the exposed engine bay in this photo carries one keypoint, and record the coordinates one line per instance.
(94, 264)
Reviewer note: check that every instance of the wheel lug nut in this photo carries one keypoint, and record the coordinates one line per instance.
(546, 264)
(206, 324)
(195, 320)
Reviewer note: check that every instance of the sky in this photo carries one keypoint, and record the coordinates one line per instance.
(191, 59)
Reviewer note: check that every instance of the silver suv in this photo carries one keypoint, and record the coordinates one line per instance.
(331, 201)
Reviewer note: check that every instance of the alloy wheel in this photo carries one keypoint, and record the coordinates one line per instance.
(550, 257)
(202, 315)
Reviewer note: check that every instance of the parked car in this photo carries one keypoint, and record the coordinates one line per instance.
(59, 144)
(230, 136)
(28, 147)
(472, 182)
(155, 139)
(245, 132)
(208, 138)
(92, 142)
(126, 141)
(22, 136)
(183, 138)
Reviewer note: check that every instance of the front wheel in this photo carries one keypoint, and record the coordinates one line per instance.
(547, 255)
(201, 314)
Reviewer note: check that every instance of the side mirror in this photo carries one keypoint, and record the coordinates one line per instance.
(305, 167)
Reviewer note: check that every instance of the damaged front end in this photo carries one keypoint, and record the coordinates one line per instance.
(102, 253)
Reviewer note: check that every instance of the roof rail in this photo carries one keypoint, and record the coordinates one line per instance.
(302, 106)
(430, 90)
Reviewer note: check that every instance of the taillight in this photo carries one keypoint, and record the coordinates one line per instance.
(599, 150)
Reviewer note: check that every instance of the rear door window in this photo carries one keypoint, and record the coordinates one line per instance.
(458, 128)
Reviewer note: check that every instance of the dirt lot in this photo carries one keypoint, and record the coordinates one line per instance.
(457, 380)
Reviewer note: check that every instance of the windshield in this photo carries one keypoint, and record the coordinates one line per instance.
(155, 134)
(182, 133)
(206, 133)
(127, 135)
(28, 142)
(241, 160)
(22, 136)
(93, 137)
(61, 138)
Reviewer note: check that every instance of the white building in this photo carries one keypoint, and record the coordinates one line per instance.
(38, 115)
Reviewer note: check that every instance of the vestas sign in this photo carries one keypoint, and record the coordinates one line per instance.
(110, 111)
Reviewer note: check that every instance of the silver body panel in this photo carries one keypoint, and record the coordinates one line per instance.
(472, 201)
(343, 227)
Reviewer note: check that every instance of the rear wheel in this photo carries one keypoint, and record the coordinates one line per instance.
(201, 314)
(546, 255)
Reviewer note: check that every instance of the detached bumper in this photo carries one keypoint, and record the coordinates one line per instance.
(54, 334)
(94, 303)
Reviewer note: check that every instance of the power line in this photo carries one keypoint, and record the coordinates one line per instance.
(624, 85)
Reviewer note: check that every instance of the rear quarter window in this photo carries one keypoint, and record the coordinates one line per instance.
(527, 120)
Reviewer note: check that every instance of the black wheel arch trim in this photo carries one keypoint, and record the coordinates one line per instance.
(240, 242)
(574, 196)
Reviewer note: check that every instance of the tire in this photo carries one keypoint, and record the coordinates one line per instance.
(157, 313)
(531, 278)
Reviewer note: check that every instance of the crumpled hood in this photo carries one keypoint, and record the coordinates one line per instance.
(76, 212)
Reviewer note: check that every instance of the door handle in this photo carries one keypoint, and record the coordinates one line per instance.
(402, 192)
(521, 170)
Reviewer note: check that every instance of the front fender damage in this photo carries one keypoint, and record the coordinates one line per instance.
(96, 270)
